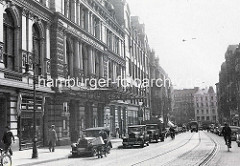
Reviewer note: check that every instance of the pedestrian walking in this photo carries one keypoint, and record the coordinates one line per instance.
(226, 131)
(7, 140)
(52, 138)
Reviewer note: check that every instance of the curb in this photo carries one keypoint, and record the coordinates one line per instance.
(41, 162)
(51, 160)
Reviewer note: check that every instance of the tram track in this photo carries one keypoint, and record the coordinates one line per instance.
(162, 154)
(212, 153)
(186, 153)
(203, 162)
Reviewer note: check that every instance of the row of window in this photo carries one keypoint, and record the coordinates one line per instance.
(10, 42)
(81, 15)
(183, 95)
(205, 104)
(199, 118)
(207, 111)
(201, 98)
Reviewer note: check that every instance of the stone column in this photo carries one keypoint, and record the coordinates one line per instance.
(42, 56)
(101, 66)
(93, 61)
(89, 21)
(81, 55)
(90, 63)
(76, 60)
(79, 13)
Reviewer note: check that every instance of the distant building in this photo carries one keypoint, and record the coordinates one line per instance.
(228, 87)
(205, 105)
(183, 109)
(161, 96)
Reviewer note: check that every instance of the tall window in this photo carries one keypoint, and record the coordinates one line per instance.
(66, 7)
(97, 66)
(68, 59)
(84, 18)
(36, 48)
(8, 39)
(109, 40)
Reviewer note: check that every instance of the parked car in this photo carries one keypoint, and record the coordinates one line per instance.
(234, 132)
(137, 135)
(238, 137)
(159, 125)
(84, 145)
(153, 132)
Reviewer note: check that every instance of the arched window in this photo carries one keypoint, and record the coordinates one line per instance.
(36, 49)
(8, 39)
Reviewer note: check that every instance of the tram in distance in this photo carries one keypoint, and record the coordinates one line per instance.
(193, 126)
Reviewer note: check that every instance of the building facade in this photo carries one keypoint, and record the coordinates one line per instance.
(183, 109)
(71, 46)
(205, 106)
(228, 87)
(161, 91)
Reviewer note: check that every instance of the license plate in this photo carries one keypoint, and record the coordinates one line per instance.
(81, 149)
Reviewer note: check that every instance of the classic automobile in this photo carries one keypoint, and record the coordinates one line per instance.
(137, 135)
(153, 131)
(85, 145)
(193, 125)
(159, 125)
(238, 137)
(234, 132)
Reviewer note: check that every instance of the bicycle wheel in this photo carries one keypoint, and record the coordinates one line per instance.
(6, 160)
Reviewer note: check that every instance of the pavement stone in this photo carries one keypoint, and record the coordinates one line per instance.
(23, 158)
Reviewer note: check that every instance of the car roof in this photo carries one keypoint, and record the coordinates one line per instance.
(234, 127)
(97, 128)
(137, 126)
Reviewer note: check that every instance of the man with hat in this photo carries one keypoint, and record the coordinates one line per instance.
(52, 138)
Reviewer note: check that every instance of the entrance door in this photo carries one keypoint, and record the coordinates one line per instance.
(27, 123)
(3, 117)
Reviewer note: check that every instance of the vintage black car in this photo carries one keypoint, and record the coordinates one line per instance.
(137, 135)
(85, 145)
(193, 125)
(238, 137)
(153, 132)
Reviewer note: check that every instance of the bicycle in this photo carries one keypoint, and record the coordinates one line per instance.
(5, 158)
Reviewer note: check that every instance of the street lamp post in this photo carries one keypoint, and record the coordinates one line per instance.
(34, 150)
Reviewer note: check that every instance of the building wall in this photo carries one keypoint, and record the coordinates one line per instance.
(205, 103)
(183, 108)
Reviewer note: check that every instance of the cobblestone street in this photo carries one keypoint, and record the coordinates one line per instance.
(188, 149)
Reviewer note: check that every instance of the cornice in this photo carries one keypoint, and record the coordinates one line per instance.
(35, 9)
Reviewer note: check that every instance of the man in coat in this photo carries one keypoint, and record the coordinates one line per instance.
(52, 138)
(226, 131)
(7, 140)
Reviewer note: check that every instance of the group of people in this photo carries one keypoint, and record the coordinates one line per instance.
(8, 138)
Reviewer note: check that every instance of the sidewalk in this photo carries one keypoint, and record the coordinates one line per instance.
(24, 158)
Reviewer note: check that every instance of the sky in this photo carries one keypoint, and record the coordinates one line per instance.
(207, 26)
